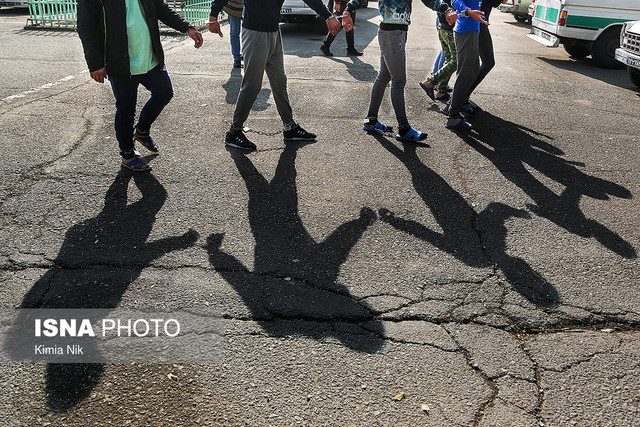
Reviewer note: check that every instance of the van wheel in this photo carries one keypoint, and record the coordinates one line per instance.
(576, 50)
(634, 76)
(521, 18)
(604, 49)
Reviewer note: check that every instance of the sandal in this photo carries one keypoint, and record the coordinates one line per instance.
(412, 135)
(377, 127)
(136, 164)
(430, 90)
(145, 139)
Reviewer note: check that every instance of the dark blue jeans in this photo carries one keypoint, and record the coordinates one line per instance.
(125, 89)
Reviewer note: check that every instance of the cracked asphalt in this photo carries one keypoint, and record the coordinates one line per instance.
(485, 279)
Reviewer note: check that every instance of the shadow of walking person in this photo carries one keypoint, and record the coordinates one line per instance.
(99, 258)
(483, 247)
(294, 278)
(515, 147)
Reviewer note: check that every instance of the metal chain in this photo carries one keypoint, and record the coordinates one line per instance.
(259, 132)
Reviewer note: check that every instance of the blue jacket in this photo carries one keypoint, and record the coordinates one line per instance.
(264, 15)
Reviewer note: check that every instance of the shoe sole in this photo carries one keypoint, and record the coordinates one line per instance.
(300, 139)
(239, 147)
(135, 169)
(152, 149)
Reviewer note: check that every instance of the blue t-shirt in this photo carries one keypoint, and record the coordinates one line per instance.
(466, 24)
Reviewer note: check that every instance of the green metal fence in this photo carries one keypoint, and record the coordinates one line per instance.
(62, 13)
(52, 13)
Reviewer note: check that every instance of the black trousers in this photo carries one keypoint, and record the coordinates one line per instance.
(349, 34)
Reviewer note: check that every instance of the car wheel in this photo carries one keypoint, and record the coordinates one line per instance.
(604, 48)
(521, 18)
(576, 50)
(634, 76)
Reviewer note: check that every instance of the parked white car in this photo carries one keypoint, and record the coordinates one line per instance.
(14, 3)
(629, 51)
(519, 8)
(298, 11)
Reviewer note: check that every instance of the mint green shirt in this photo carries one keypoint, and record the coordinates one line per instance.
(141, 57)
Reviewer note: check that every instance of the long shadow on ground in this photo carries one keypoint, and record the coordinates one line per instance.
(513, 148)
(295, 278)
(99, 258)
(477, 240)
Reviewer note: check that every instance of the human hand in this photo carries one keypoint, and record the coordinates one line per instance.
(333, 25)
(99, 75)
(478, 16)
(196, 36)
(452, 16)
(347, 22)
(214, 27)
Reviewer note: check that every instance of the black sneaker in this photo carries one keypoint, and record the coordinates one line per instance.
(239, 140)
(352, 51)
(237, 63)
(298, 134)
(325, 49)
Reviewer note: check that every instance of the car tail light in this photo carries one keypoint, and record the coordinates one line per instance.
(563, 18)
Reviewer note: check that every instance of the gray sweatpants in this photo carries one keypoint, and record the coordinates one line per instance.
(393, 69)
(468, 67)
(262, 52)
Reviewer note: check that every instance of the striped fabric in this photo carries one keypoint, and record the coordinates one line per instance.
(234, 8)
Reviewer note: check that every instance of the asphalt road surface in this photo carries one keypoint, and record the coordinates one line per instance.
(481, 278)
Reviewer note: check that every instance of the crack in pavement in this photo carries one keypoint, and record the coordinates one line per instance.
(34, 173)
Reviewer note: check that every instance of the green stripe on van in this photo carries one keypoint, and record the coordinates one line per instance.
(548, 14)
(591, 21)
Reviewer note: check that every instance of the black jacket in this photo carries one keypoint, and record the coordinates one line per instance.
(102, 28)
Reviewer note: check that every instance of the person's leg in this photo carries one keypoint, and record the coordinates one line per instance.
(255, 46)
(485, 51)
(379, 85)
(443, 75)
(392, 48)
(125, 90)
(350, 37)
(157, 82)
(439, 62)
(278, 79)
(468, 64)
(235, 24)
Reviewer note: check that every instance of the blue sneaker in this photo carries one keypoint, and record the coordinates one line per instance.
(376, 127)
(412, 135)
(458, 123)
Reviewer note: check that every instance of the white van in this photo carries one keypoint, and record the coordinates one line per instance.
(629, 51)
(584, 27)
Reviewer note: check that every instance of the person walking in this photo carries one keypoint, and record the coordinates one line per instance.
(262, 49)
(234, 16)
(392, 37)
(121, 42)
(466, 34)
(340, 7)
(439, 78)
(485, 52)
